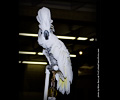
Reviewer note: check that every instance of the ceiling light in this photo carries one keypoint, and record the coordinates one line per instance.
(92, 39)
(87, 67)
(66, 37)
(95, 39)
(28, 34)
(72, 55)
(19, 61)
(60, 37)
(25, 52)
(82, 38)
(33, 62)
(40, 53)
(80, 52)
(36, 35)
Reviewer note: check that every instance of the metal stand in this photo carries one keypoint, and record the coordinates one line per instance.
(51, 98)
(46, 84)
(52, 93)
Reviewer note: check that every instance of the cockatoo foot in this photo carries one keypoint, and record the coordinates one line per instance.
(55, 68)
(52, 67)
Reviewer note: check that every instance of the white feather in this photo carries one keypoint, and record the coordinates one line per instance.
(57, 76)
(44, 52)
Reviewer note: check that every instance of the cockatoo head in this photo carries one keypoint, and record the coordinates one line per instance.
(45, 26)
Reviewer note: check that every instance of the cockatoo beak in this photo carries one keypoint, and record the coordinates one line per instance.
(46, 34)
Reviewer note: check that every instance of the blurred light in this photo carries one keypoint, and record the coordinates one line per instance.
(36, 35)
(66, 37)
(60, 37)
(79, 72)
(26, 52)
(87, 67)
(32, 62)
(28, 34)
(92, 39)
(95, 39)
(40, 53)
(82, 38)
(80, 52)
(19, 61)
(72, 55)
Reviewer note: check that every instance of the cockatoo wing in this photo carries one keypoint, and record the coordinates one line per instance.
(62, 56)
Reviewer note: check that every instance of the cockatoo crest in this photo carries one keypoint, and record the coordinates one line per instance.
(44, 18)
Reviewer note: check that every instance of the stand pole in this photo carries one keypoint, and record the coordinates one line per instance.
(46, 84)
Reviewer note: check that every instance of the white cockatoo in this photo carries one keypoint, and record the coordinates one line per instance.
(55, 51)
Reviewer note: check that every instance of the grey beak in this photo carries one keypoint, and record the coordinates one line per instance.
(46, 34)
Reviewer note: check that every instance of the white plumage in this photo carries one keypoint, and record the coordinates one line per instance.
(57, 49)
